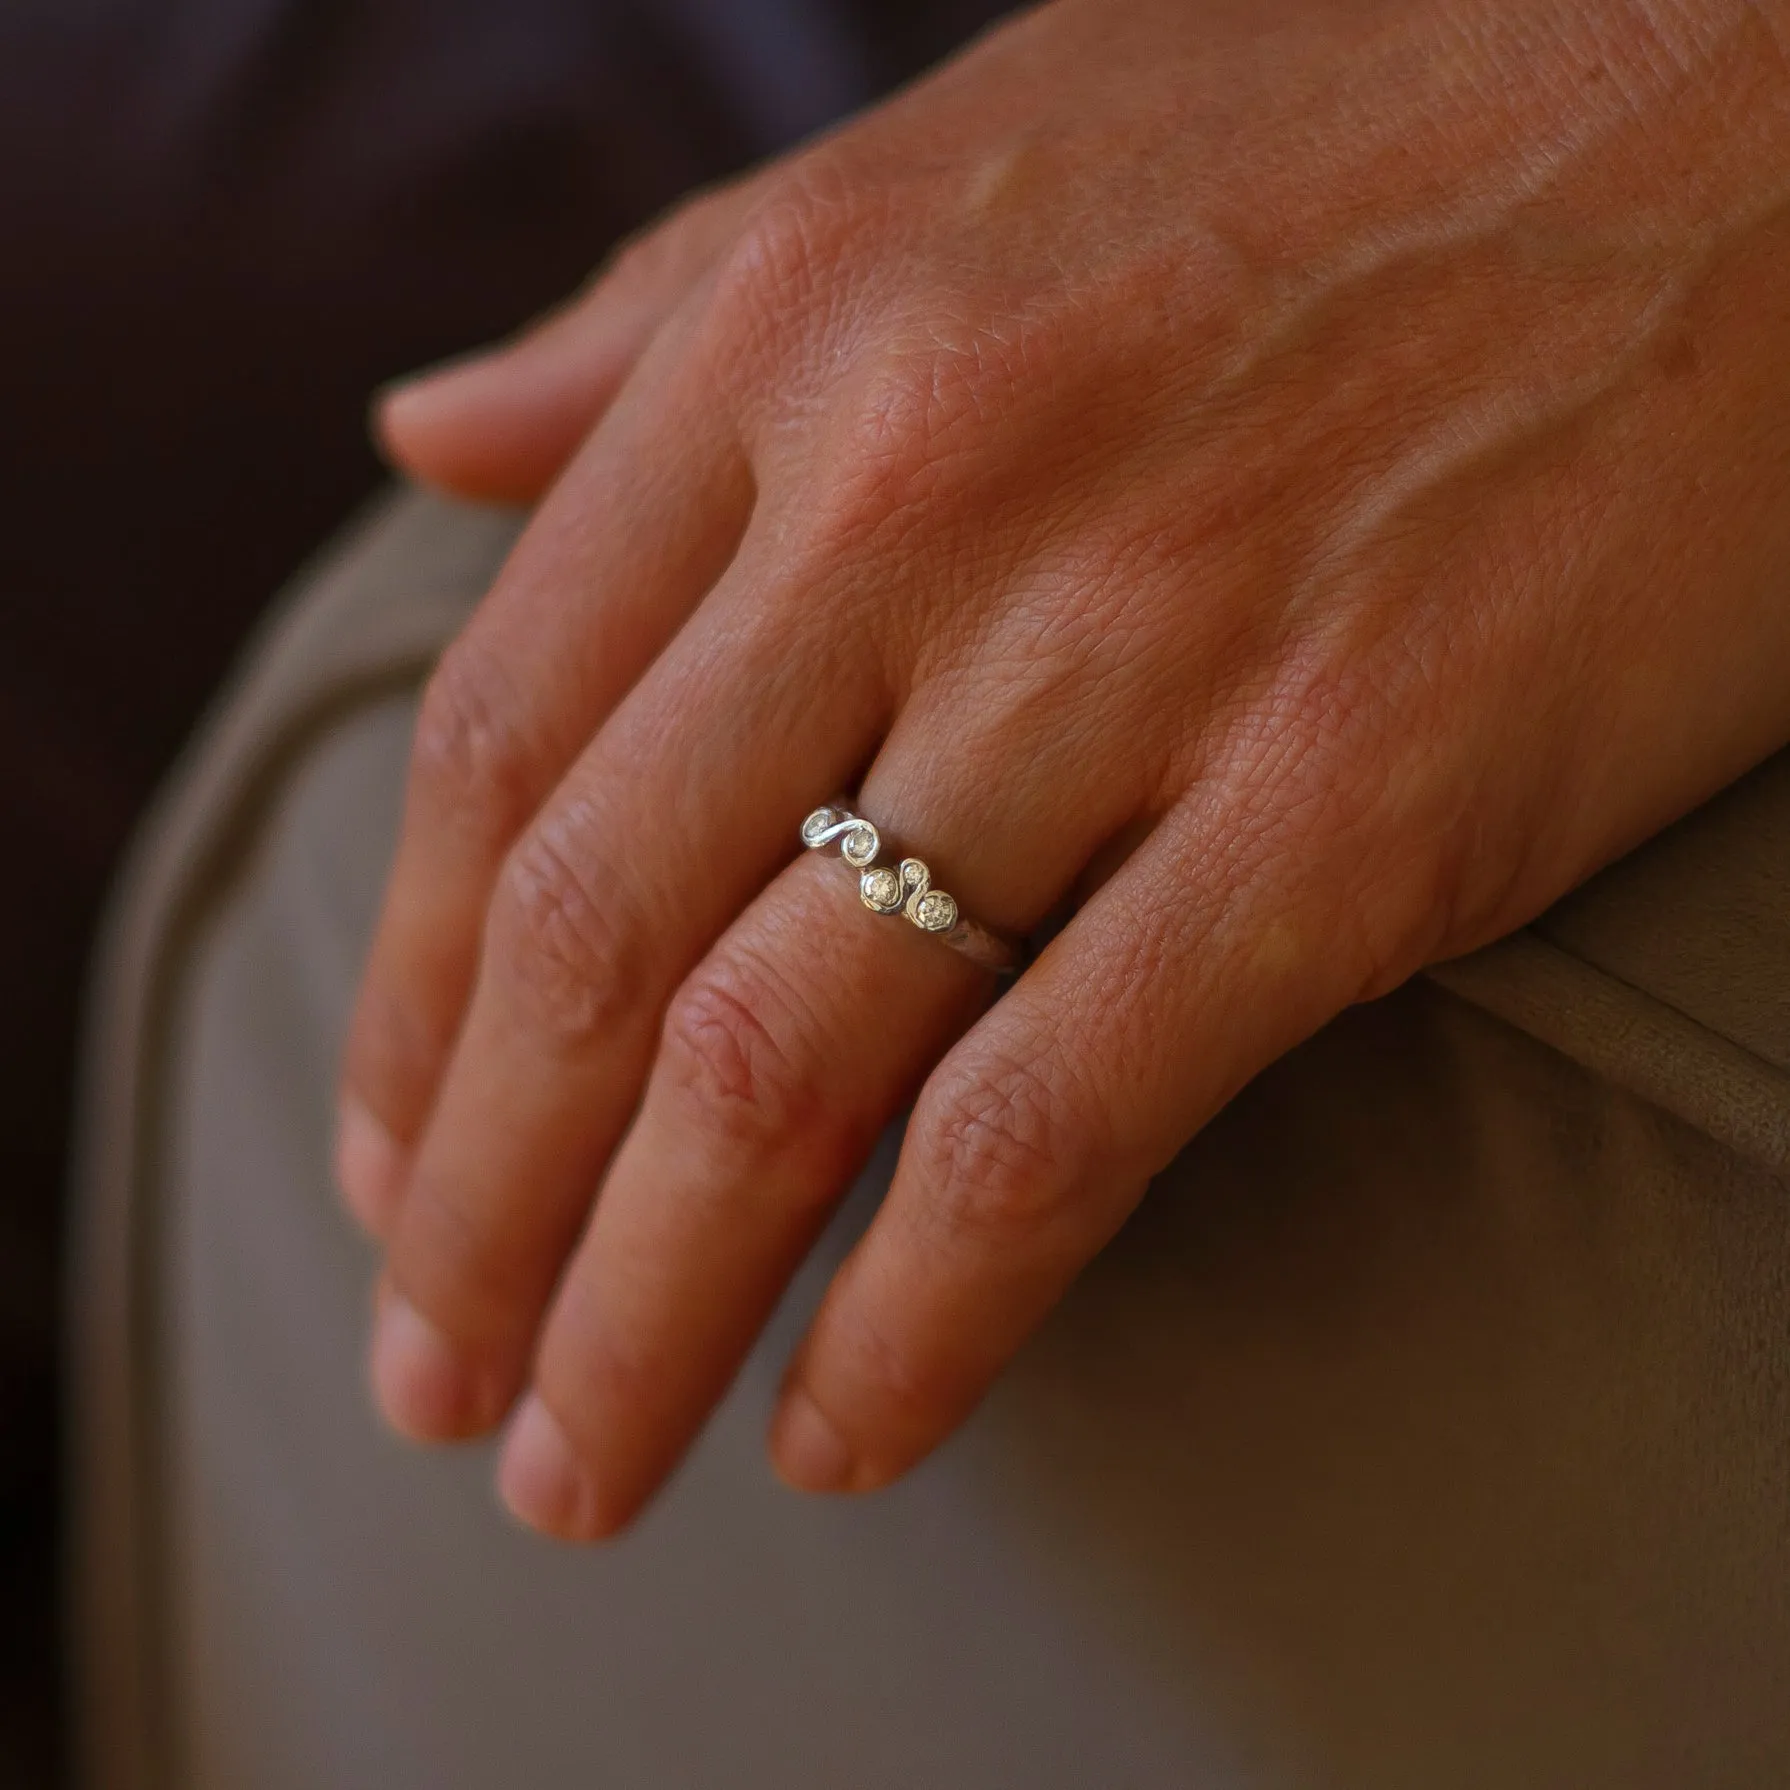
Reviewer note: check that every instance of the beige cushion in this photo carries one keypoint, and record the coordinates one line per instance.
(1430, 1426)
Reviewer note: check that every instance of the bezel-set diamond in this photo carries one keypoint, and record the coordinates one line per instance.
(881, 890)
(935, 911)
(906, 889)
(859, 842)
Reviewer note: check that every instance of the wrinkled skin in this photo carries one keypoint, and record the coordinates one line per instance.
(1311, 485)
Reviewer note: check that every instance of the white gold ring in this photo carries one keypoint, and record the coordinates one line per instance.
(906, 889)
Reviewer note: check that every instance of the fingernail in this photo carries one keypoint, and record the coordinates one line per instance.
(422, 1385)
(369, 1167)
(807, 1451)
(542, 1481)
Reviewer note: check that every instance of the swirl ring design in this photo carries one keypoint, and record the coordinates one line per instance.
(860, 845)
(906, 888)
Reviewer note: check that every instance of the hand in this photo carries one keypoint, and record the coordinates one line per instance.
(1314, 487)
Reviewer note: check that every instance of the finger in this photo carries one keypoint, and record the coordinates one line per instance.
(674, 817)
(1202, 960)
(781, 1059)
(762, 1106)
(575, 617)
(526, 1127)
(501, 424)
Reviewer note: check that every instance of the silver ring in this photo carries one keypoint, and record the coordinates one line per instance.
(906, 889)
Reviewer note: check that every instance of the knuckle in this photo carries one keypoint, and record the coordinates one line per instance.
(1349, 821)
(471, 755)
(776, 281)
(896, 481)
(737, 1049)
(1001, 1145)
(563, 945)
(787, 246)
(925, 411)
(930, 387)
(903, 422)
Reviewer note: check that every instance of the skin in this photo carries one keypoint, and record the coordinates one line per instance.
(1307, 484)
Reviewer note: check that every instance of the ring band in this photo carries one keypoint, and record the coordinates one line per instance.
(906, 889)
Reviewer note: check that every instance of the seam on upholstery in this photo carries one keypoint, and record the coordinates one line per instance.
(1632, 1039)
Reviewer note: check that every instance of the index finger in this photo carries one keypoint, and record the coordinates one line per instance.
(574, 619)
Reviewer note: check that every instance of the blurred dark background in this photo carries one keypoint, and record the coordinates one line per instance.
(222, 223)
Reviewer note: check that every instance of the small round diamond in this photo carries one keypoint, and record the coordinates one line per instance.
(882, 890)
(936, 911)
(860, 846)
(816, 824)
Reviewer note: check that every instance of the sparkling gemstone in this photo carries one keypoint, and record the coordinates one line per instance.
(860, 845)
(816, 824)
(881, 889)
(936, 911)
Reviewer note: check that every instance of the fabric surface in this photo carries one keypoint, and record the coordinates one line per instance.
(1430, 1425)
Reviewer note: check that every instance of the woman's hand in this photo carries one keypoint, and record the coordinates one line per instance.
(1313, 489)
